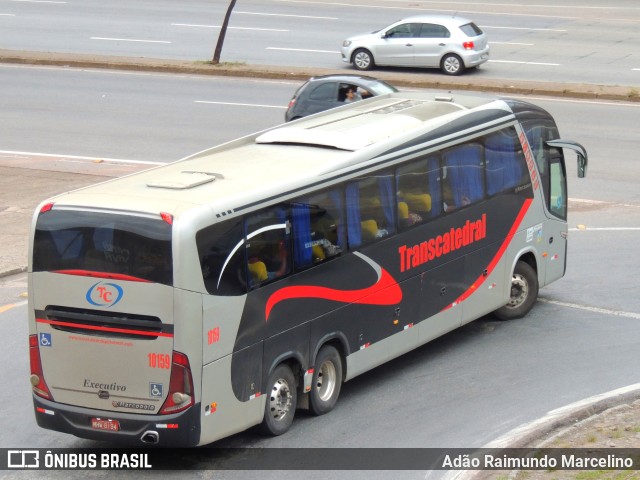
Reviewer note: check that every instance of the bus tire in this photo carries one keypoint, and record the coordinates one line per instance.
(326, 382)
(524, 292)
(282, 399)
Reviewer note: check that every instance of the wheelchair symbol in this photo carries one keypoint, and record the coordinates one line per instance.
(155, 389)
(45, 339)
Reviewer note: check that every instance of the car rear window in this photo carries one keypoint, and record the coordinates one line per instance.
(134, 246)
(471, 29)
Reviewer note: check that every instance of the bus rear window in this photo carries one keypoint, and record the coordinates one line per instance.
(133, 246)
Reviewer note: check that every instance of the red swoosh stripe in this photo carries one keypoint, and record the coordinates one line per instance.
(386, 290)
(494, 261)
(105, 329)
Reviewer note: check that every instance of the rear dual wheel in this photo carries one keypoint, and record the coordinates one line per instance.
(326, 382)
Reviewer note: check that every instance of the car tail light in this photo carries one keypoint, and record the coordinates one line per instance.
(292, 102)
(180, 395)
(468, 45)
(38, 384)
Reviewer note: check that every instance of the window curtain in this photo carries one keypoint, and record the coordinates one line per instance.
(301, 235)
(354, 229)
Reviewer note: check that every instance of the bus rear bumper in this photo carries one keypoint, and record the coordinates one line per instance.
(181, 429)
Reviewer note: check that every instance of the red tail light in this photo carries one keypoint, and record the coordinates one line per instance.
(46, 207)
(180, 395)
(38, 384)
(468, 45)
(292, 102)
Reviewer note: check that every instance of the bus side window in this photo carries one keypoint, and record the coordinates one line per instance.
(505, 163)
(463, 176)
(267, 234)
(371, 209)
(318, 233)
(222, 258)
(418, 191)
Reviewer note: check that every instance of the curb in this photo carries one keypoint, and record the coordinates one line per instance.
(545, 429)
(399, 77)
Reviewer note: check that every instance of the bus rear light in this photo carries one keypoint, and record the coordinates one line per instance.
(167, 217)
(46, 207)
(180, 395)
(38, 384)
(468, 45)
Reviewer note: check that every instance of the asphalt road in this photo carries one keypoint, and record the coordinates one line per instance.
(592, 41)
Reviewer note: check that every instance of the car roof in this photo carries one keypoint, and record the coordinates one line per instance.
(442, 19)
(344, 78)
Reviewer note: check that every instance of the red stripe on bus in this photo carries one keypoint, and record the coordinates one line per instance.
(386, 290)
(498, 256)
(104, 329)
(111, 276)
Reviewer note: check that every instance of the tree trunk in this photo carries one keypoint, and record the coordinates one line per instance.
(223, 32)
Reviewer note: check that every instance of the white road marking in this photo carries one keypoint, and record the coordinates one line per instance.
(286, 15)
(527, 63)
(525, 28)
(229, 28)
(303, 50)
(419, 9)
(605, 311)
(512, 43)
(128, 40)
(240, 104)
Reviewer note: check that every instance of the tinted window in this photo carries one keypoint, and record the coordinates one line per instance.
(406, 30)
(318, 230)
(505, 163)
(371, 209)
(222, 258)
(324, 92)
(432, 30)
(463, 181)
(418, 190)
(471, 30)
(135, 246)
(268, 251)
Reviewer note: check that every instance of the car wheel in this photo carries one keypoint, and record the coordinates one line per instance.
(524, 293)
(327, 380)
(452, 64)
(282, 398)
(362, 59)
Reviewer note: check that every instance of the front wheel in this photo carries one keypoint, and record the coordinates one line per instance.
(327, 381)
(524, 293)
(362, 59)
(452, 64)
(282, 399)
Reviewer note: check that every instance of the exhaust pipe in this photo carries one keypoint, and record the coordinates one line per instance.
(150, 437)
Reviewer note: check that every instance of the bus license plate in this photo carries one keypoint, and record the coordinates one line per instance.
(101, 424)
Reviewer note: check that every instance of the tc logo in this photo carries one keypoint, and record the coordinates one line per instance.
(104, 294)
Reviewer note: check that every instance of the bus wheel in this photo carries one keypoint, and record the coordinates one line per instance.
(524, 293)
(282, 398)
(327, 381)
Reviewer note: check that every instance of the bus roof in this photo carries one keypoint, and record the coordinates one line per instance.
(290, 157)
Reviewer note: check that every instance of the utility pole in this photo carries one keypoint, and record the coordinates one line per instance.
(223, 32)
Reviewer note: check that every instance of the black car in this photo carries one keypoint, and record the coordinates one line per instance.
(329, 91)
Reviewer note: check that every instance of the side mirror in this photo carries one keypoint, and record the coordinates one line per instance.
(576, 147)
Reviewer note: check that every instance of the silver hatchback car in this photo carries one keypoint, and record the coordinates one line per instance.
(450, 43)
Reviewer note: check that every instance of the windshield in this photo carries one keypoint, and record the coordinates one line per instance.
(380, 88)
(86, 242)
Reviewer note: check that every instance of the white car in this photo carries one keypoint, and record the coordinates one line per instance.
(450, 43)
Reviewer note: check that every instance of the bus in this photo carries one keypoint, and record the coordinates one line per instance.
(191, 301)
